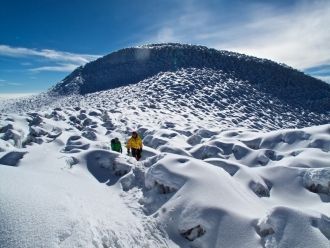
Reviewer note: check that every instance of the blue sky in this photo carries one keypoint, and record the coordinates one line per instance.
(42, 41)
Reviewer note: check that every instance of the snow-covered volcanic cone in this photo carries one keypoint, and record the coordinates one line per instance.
(236, 154)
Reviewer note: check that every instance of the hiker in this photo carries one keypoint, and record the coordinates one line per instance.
(135, 144)
(116, 145)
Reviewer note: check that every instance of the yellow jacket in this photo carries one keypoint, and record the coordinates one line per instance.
(135, 143)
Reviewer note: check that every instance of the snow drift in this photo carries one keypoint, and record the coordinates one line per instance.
(224, 164)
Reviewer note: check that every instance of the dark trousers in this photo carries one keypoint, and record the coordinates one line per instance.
(136, 153)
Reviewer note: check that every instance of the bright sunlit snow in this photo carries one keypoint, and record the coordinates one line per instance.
(222, 166)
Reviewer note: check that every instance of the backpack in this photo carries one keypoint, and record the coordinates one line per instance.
(116, 145)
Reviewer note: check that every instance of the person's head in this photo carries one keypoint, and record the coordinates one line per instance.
(116, 139)
(134, 134)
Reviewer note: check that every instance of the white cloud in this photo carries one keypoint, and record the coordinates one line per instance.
(48, 54)
(14, 84)
(57, 68)
(5, 83)
(298, 35)
(26, 63)
(63, 61)
(299, 38)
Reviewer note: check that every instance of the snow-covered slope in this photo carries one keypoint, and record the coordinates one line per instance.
(198, 185)
(131, 65)
(198, 96)
(224, 164)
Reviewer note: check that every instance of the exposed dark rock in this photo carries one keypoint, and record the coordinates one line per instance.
(193, 233)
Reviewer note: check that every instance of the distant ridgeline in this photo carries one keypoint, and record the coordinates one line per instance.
(131, 65)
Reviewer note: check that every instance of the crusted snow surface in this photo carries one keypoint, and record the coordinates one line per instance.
(213, 173)
(208, 97)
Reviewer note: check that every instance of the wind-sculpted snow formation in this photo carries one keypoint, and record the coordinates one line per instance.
(198, 185)
(224, 164)
(201, 96)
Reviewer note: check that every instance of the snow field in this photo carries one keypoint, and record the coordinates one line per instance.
(196, 186)
(223, 165)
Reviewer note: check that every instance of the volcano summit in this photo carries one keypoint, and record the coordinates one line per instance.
(236, 153)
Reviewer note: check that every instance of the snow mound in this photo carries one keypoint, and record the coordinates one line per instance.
(206, 96)
(131, 65)
(226, 171)
(317, 180)
(275, 229)
(229, 187)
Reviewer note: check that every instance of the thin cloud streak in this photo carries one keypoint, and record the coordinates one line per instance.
(48, 54)
(14, 84)
(4, 84)
(56, 68)
(323, 70)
